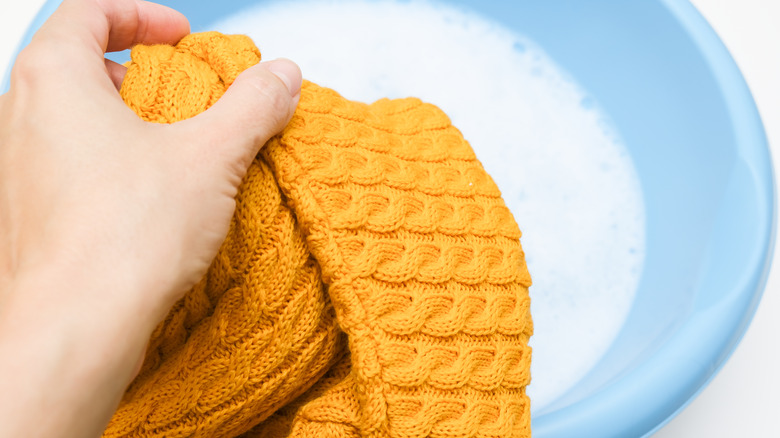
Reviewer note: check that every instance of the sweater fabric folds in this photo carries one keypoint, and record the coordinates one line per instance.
(372, 283)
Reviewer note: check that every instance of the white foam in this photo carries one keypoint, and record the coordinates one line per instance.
(564, 173)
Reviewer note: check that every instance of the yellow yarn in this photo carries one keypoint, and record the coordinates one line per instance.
(372, 283)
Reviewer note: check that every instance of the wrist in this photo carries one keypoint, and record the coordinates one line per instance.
(63, 356)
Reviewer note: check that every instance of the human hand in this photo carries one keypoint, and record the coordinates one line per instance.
(106, 220)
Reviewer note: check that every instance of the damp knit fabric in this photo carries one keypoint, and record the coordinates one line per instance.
(372, 283)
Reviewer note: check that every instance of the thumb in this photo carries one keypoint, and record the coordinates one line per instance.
(256, 107)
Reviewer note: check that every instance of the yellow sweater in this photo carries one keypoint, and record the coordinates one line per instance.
(372, 283)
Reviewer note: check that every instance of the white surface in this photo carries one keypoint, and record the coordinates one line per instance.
(15, 16)
(742, 400)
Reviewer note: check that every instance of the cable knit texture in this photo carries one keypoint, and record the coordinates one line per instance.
(372, 283)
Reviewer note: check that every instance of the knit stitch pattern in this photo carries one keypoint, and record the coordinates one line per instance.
(372, 283)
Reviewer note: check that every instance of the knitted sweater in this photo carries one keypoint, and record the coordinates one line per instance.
(372, 283)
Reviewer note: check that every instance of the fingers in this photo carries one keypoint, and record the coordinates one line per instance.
(71, 43)
(256, 107)
(98, 26)
(151, 24)
(116, 72)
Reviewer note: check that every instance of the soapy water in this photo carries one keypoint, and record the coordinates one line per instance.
(561, 168)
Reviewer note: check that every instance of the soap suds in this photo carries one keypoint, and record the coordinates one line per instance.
(562, 170)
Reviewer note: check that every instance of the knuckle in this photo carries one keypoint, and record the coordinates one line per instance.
(35, 63)
(30, 64)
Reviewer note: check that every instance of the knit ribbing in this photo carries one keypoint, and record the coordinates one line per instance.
(372, 283)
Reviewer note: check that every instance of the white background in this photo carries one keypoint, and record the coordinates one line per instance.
(743, 400)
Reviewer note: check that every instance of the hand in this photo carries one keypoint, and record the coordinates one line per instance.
(106, 220)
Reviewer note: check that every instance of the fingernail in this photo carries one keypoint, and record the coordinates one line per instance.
(288, 72)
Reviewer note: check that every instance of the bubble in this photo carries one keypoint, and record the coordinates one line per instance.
(556, 157)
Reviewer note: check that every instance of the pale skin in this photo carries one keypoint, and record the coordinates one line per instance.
(106, 220)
